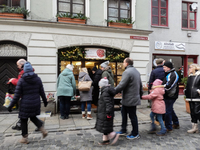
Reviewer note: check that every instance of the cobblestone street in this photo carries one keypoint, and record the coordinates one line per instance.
(88, 140)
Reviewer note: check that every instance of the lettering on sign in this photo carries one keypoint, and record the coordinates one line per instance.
(95, 53)
(160, 45)
(138, 37)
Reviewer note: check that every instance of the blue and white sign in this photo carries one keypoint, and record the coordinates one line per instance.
(160, 45)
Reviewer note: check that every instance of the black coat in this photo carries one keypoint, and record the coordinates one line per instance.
(29, 88)
(105, 107)
(96, 79)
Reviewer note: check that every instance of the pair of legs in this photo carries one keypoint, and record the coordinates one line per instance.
(160, 119)
(65, 106)
(170, 115)
(133, 117)
(109, 138)
(83, 104)
(194, 111)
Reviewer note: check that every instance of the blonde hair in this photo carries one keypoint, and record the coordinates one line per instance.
(196, 67)
(84, 70)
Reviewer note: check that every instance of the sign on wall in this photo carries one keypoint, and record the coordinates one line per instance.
(95, 53)
(160, 45)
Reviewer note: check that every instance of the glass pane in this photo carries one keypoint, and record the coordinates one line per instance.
(63, 65)
(125, 4)
(124, 13)
(192, 16)
(18, 3)
(192, 24)
(155, 20)
(163, 21)
(120, 68)
(78, 9)
(155, 11)
(65, 0)
(113, 3)
(155, 2)
(163, 12)
(112, 65)
(3, 2)
(112, 18)
(184, 23)
(184, 6)
(78, 1)
(113, 12)
(64, 7)
(77, 67)
(163, 3)
(184, 15)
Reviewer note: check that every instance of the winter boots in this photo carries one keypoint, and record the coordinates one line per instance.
(89, 116)
(44, 132)
(194, 128)
(24, 139)
(153, 129)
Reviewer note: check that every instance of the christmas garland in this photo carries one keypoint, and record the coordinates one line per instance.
(114, 55)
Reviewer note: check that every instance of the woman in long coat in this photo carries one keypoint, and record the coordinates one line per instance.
(85, 96)
(29, 88)
(192, 93)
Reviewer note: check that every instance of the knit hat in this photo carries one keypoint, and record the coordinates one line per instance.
(105, 64)
(70, 67)
(28, 67)
(168, 64)
(94, 69)
(159, 61)
(103, 82)
(157, 82)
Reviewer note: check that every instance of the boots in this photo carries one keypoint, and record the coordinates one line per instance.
(24, 139)
(194, 128)
(153, 129)
(44, 132)
(83, 115)
(89, 116)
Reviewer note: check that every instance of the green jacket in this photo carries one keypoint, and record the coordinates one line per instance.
(66, 84)
(108, 73)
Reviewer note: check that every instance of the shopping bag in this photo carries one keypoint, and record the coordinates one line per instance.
(8, 99)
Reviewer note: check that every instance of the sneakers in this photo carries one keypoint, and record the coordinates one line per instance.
(89, 117)
(104, 142)
(153, 129)
(160, 133)
(175, 126)
(169, 130)
(83, 116)
(131, 137)
(121, 133)
(62, 117)
(16, 127)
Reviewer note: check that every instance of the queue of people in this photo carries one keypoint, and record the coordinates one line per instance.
(163, 94)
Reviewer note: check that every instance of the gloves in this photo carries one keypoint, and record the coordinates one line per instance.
(109, 117)
(9, 109)
(45, 104)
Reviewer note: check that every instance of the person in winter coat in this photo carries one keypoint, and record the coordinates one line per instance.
(158, 107)
(66, 88)
(29, 88)
(85, 96)
(192, 93)
(107, 72)
(131, 86)
(96, 78)
(105, 113)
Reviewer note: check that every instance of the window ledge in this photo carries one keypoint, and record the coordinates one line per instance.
(160, 27)
(195, 30)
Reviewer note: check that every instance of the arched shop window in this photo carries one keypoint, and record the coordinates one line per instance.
(92, 56)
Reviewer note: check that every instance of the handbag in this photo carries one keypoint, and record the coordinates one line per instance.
(9, 96)
(84, 85)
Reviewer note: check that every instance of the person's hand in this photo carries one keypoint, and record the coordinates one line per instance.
(9, 109)
(45, 104)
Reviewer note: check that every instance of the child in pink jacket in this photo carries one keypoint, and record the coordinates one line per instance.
(158, 106)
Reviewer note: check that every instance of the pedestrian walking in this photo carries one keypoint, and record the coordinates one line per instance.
(131, 86)
(170, 84)
(29, 88)
(157, 108)
(66, 88)
(105, 113)
(192, 93)
(107, 72)
(85, 96)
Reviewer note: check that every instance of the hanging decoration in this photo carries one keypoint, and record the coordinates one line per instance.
(114, 55)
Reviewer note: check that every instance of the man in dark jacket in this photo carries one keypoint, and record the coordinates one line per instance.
(170, 83)
(131, 86)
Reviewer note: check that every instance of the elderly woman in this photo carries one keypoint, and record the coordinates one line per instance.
(66, 88)
(192, 93)
(85, 96)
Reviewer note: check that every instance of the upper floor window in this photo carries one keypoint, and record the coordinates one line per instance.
(72, 7)
(188, 16)
(13, 3)
(119, 9)
(159, 13)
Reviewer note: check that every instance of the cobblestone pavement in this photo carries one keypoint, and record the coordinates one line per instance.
(88, 140)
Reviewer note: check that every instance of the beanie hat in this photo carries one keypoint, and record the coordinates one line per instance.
(168, 64)
(70, 67)
(159, 61)
(105, 64)
(94, 69)
(103, 82)
(157, 82)
(28, 67)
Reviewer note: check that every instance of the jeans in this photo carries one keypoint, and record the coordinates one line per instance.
(160, 119)
(88, 106)
(170, 115)
(64, 105)
(24, 125)
(133, 117)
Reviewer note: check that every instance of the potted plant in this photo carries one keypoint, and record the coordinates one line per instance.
(67, 18)
(182, 85)
(184, 82)
(16, 13)
(123, 23)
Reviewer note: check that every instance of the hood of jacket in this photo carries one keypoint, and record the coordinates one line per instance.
(81, 75)
(30, 77)
(66, 72)
(157, 82)
(172, 70)
(108, 68)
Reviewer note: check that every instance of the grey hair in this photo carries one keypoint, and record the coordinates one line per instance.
(21, 61)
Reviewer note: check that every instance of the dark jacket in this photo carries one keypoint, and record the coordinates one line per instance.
(96, 79)
(107, 72)
(193, 83)
(131, 86)
(105, 107)
(170, 83)
(29, 88)
(157, 73)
